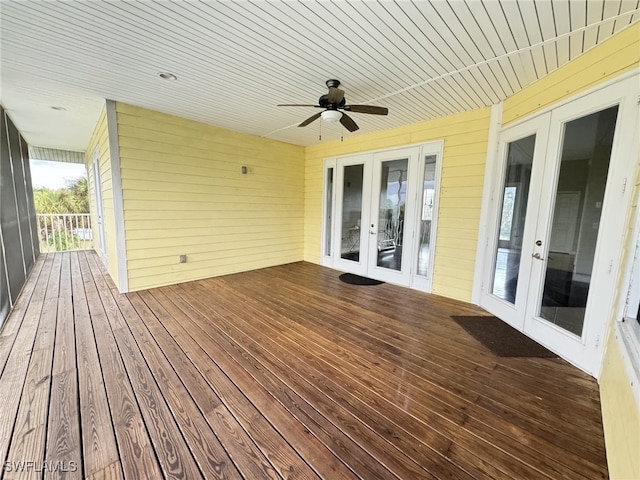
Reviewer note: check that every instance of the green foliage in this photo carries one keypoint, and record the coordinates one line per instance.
(63, 241)
(73, 199)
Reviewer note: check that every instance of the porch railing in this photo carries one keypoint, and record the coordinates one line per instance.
(61, 232)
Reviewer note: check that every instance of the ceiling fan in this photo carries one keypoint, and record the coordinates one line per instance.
(335, 106)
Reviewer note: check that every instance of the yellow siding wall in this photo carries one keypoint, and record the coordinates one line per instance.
(613, 57)
(620, 416)
(620, 412)
(100, 140)
(184, 193)
(617, 55)
(465, 149)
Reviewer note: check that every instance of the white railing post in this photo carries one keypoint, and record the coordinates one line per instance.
(64, 231)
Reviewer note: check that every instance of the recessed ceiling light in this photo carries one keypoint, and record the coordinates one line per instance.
(167, 76)
(59, 109)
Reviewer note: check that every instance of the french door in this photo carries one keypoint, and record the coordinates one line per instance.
(379, 214)
(97, 188)
(522, 154)
(558, 221)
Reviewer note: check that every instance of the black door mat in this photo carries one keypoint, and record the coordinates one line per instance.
(502, 339)
(358, 280)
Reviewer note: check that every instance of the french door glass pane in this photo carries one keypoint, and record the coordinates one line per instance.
(329, 206)
(428, 191)
(351, 212)
(393, 197)
(515, 196)
(584, 164)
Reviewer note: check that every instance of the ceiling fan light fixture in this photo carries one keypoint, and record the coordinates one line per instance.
(331, 115)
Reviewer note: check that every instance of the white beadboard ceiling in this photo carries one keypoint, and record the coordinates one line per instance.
(235, 60)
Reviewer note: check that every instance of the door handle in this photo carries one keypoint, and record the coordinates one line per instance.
(537, 256)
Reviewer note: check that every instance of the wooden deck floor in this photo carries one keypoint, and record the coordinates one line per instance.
(279, 373)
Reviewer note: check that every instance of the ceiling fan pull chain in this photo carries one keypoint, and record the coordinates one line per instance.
(320, 136)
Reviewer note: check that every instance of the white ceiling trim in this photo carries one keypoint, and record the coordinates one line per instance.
(54, 155)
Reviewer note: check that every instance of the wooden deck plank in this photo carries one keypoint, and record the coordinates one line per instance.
(500, 438)
(265, 430)
(100, 452)
(175, 458)
(377, 445)
(13, 377)
(430, 447)
(251, 379)
(63, 449)
(411, 311)
(238, 443)
(284, 372)
(444, 345)
(420, 407)
(462, 381)
(29, 434)
(110, 472)
(12, 325)
(254, 462)
(213, 405)
(203, 441)
(136, 453)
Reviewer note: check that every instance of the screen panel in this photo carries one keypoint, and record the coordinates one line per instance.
(21, 194)
(9, 217)
(5, 304)
(35, 241)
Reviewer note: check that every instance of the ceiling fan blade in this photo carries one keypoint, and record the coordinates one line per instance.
(335, 95)
(348, 122)
(367, 109)
(297, 105)
(310, 119)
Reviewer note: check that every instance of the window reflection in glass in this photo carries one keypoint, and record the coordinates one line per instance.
(515, 196)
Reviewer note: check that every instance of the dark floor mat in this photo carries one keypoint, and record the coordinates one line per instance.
(358, 280)
(502, 339)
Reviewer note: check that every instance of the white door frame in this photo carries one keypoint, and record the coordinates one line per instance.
(417, 154)
(402, 277)
(513, 314)
(587, 353)
(361, 232)
(425, 282)
(97, 191)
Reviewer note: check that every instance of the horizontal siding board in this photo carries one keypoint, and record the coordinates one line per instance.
(219, 144)
(204, 192)
(184, 193)
(230, 153)
(233, 246)
(222, 162)
(175, 228)
(172, 272)
(222, 178)
(265, 235)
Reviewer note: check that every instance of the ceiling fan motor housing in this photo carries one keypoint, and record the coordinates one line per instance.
(323, 101)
